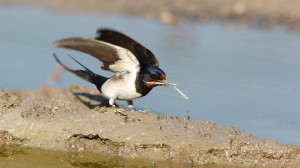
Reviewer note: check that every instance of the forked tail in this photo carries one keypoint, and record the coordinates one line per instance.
(86, 74)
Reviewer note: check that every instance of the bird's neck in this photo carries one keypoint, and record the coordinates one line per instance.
(141, 87)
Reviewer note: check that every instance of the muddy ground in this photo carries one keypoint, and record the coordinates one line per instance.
(261, 13)
(76, 119)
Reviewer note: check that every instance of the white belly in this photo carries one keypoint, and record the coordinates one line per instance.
(121, 88)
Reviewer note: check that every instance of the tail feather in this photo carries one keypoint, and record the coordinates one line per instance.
(86, 74)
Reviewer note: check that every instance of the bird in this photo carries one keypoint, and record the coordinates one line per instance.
(136, 68)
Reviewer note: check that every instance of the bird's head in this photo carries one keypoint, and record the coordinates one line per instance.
(153, 76)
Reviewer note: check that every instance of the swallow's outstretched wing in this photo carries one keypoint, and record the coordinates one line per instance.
(115, 58)
(144, 56)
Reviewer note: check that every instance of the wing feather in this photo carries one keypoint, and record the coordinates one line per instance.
(116, 59)
(144, 55)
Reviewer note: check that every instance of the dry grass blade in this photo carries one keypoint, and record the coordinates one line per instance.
(180, 92)
(164, 83)
(167, 84)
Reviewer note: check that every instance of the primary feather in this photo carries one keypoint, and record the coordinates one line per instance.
(114, 58)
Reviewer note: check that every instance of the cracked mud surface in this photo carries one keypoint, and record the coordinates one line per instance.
(70, 119)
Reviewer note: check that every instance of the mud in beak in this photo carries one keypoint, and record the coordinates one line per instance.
(161, 83)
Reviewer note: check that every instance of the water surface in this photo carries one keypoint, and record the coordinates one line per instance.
(248, 79)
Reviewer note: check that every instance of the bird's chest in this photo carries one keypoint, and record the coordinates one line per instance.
(121, 87)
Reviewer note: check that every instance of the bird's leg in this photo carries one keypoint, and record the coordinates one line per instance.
(130, 104)
(111, 102)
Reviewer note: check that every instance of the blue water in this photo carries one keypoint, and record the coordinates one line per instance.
(248, 79)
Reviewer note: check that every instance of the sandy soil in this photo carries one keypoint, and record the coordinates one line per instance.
(263, 13)
(70, 119)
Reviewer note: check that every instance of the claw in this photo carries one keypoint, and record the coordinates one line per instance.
(118, 110)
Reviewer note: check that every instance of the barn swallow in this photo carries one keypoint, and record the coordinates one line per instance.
(137, 69)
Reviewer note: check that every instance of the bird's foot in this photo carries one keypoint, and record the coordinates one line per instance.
(131, 106)
(119, 111)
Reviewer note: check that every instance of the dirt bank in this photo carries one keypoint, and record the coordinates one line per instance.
(70, 119)
(263, 13)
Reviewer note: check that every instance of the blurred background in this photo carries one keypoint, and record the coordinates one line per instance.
(237, 60)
